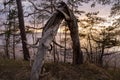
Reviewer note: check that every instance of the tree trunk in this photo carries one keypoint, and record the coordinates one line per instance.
(49, 32)
(14, 41)
(101, 55)
(73, 27)
(7, 39)
(22, 30)
(77, 53)
(91, 58)
(65, 45)
(54, 52)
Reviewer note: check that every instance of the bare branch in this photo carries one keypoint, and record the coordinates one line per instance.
(58, 44)
(33, 45)
(107, 54)
(40, 10)
(29, 14)
(65, 14)
(33, 27)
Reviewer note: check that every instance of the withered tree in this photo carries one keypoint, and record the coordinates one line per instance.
(48, 34)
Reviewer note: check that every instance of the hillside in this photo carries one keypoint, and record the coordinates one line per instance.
(20, 70)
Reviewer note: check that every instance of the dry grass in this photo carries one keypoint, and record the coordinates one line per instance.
(20, 70)
(14, 70)
(69, 72)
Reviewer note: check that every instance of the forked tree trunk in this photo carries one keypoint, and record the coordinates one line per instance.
(48, 34)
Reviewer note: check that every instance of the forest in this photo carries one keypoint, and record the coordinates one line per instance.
(59, 39)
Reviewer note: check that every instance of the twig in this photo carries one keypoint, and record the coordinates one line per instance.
(40, 10)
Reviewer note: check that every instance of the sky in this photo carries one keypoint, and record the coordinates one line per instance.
(104, 10)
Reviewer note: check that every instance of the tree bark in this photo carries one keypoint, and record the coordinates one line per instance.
(100, 63)
(49, 32)
(77, 53)
(22, 30)
(73, 27)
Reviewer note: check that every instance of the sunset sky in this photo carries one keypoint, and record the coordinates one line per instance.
(104, 11)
